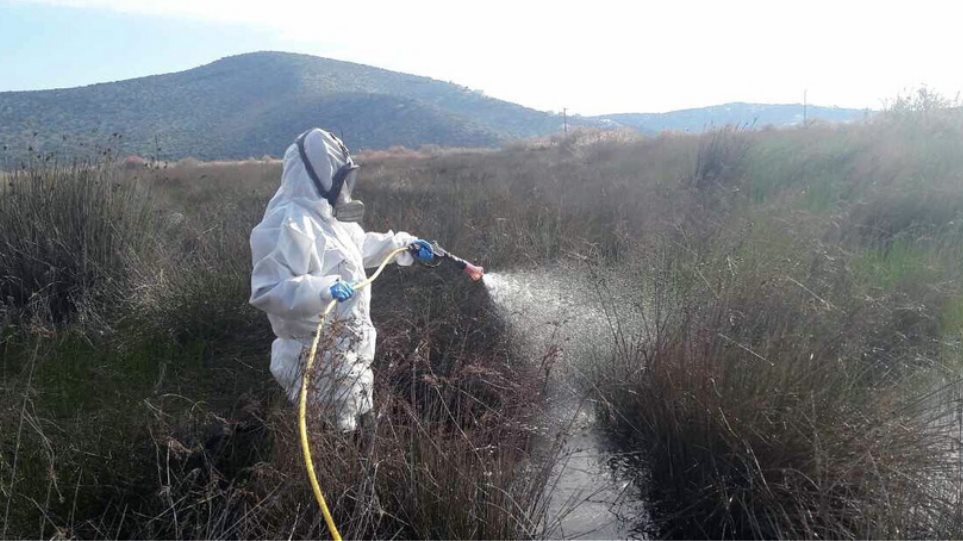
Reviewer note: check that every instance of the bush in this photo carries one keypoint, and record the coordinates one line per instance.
(68, 238)
(771, 406)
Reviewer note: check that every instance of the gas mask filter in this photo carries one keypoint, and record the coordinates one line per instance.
(349, 211)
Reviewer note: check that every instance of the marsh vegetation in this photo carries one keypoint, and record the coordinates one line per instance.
(788, 364)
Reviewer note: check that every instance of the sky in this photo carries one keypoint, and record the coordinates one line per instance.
(595, 57)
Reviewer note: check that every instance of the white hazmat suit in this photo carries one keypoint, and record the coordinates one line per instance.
(299, 251)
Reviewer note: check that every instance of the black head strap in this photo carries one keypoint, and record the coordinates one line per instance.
(309, 168)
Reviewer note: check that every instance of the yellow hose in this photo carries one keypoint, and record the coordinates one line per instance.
(303, 403)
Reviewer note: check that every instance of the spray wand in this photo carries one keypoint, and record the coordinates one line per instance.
(474, 272)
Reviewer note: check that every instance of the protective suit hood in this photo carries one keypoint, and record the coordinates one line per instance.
(326, 154)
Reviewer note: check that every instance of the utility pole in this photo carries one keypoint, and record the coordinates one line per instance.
(565, 119)
(805, 106)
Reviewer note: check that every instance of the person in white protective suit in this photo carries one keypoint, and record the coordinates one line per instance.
(307, 250)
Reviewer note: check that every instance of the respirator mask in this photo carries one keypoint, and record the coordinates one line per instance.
(343, 182)
(347, 209)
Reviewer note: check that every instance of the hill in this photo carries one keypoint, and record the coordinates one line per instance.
(743, 114)
(254, 104)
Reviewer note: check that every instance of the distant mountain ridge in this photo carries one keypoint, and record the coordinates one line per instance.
(254, 104)
(747, 115)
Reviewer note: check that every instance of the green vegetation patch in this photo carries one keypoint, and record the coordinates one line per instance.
(898, 264)
(813, 165)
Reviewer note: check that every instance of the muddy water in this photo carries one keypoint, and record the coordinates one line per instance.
(559, 318)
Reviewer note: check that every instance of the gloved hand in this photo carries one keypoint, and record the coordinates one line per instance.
(423, 251)
(341, 291)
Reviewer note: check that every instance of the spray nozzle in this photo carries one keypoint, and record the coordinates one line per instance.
(474, 272)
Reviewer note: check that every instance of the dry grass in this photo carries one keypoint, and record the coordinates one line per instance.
(771, 406)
